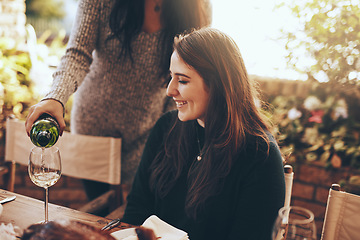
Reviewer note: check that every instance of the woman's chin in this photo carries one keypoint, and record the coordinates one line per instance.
(182, 117)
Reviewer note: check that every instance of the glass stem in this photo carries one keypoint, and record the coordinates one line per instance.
(46, 204)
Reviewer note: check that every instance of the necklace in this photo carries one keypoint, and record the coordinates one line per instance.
(199, 157)
(157, 6)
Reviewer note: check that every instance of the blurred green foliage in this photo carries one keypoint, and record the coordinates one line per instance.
(329, 40)
(45, 9)
(320, 127)
(17, 89)
(329, 34)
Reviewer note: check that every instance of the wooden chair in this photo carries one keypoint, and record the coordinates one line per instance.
(342, 216)
(83, 157)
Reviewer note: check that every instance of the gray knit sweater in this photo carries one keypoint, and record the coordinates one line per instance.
(114, 97)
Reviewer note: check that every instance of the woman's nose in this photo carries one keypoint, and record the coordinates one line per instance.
(171, 90)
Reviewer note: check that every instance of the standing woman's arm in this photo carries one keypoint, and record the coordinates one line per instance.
(75, 63)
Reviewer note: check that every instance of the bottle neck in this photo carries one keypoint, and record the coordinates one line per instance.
(43, 138)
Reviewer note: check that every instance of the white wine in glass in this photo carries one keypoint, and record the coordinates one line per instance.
(294, 223)
(45, 170)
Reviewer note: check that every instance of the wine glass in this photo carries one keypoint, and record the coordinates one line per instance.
(45, 170)
(294, 223)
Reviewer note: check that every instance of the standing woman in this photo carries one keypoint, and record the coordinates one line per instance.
(211, 168)
(117, 61)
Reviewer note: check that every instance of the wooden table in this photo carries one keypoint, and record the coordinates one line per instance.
(24, 211)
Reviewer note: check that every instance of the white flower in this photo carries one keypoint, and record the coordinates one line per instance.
(340, 110)
(312, 103)
(294, 114)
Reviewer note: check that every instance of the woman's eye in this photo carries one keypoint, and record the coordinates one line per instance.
(183, 81)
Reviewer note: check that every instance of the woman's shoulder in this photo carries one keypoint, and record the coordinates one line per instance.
(92, 6)
(260, 155)
(104, 2)
(164, 123)
(261, 140)
(108, 3)
(168, 117)
(160, 130)
(261, 147)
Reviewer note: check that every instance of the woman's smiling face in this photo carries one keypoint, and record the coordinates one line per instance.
(188, 90)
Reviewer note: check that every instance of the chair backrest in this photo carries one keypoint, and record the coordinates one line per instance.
(289, 178)
(82, 156)
(342, 216)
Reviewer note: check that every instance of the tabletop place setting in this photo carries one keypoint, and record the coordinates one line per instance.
(44, 170)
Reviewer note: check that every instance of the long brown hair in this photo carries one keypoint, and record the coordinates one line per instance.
(231, 117)
(127, 17)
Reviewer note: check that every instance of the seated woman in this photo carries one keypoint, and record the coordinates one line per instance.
(211, 168)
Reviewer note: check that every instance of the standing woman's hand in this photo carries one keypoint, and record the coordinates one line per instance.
(50, 106)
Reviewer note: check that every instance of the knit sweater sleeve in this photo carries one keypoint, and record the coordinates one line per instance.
(75, 63)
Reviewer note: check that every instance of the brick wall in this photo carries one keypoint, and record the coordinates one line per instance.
(311, 188)
(282, 87)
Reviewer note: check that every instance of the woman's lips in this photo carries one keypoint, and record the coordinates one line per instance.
(180, 103)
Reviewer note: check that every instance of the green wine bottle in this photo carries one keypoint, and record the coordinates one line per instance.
(45, 131)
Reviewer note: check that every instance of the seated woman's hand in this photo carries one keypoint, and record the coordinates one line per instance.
(144, 233)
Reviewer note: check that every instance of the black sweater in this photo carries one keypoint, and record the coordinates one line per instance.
(245, 208)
